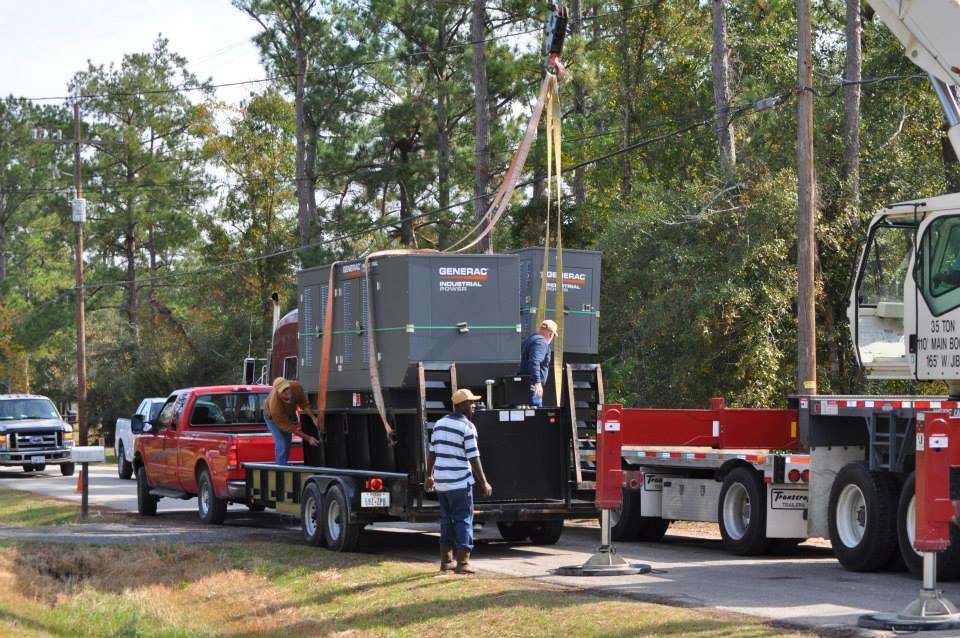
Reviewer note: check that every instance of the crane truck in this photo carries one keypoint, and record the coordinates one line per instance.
(843, 466)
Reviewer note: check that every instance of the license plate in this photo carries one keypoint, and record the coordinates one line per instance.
(38, 460)
(374, 499)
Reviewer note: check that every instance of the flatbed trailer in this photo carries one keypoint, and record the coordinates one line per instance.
(525, 453)
(834, 467)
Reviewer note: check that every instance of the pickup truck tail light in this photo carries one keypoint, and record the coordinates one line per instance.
(233, 457)
(374, 484)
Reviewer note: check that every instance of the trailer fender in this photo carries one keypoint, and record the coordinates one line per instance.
(730, 466)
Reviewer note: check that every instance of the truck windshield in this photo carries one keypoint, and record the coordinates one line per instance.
(16, 409)
(885, 264)
(231, 408)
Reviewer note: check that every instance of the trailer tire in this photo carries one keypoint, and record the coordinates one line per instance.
(67, 469)
(863, 517)
(514, 531)
(340, 534)
(948, 561)
(146, 502)
(742, 513)
(211, 508)
(124, 469)
(546, 532)
(311, 515)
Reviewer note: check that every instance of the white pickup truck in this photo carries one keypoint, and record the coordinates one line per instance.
(123, 437)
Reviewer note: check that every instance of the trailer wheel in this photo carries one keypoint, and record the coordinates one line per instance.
(340, 534)
(628, 524)
(546, 532)
(743, 513)
(514, 531)
(146, 502)
(862, 517)
(948, 561)
(311, 515)
(211, 508)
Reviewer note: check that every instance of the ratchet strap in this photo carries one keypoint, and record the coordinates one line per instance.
(554, 141)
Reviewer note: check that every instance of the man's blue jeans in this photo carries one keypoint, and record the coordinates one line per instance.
(535, 401)
(456, 518)
(282, 442)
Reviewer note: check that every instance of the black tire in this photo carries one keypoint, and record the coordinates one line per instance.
(256, 507)
(124, 468)
(339, 533)
(67, 469)
(514, 531)
(146, 502)
(863, 517)
(40, 468)
(311, 515)
(546, 532)
(627, 523)
(948, 561)
(742, 513)
(28, 468)
(211, 508)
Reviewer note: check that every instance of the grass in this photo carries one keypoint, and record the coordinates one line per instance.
(263, 589)
(23, 509)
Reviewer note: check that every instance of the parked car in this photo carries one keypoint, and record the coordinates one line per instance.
(33, 434)
(197, 444)
(123, 437)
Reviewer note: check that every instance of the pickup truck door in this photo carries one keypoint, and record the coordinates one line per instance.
(154, 445)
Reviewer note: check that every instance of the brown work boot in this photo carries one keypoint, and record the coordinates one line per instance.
(446, 558)
(463, 562)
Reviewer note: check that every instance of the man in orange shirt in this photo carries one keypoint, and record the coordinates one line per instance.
(280, 413)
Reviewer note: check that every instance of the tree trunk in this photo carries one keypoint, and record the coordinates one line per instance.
(406, 206)
(152, 253)
(130, 252)
(310, 167)
(720, 65)
(481, 175)
(851, 104)
(951, 169)
(303, 187)
(579, 104)
(3, 253)
(443, 116)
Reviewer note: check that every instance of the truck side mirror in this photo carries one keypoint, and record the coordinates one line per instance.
(137, 426)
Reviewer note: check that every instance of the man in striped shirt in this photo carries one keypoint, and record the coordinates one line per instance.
(453, 461)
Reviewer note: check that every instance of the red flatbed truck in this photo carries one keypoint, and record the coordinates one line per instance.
(835, 467)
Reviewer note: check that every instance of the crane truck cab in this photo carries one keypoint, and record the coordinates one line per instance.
(904, 308)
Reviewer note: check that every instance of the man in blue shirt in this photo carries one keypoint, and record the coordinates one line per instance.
(535, 357)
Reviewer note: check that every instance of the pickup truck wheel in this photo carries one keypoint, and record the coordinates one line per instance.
(862, 517)
(124, 469)
(546, 532)
(340, 534)
(67, 469)
(743, 513)
(948, 561)
(211, 508)
(28, 468)
(146, 502)
(514, 531)
(311, 515)
(256, 507)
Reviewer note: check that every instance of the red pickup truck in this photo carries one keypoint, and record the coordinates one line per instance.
(196, 447)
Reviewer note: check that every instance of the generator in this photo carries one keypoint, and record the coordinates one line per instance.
(431, 308)
(581, 290)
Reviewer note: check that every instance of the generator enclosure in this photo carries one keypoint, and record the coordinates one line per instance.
(581, 289)
(430, 308)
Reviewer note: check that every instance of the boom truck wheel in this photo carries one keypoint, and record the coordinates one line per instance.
(146, 502)
(546, 532)
(210, 507)
(514, 531)
(743, 512)
(339, 533)
(627, 522)
(948, 561)
(862, 516)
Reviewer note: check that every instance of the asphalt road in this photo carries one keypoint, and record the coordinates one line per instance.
(807, 589)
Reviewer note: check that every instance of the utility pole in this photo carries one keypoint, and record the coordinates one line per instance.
(79, 216)
(806, 218)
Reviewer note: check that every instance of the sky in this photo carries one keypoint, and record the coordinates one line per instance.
(44, 42)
